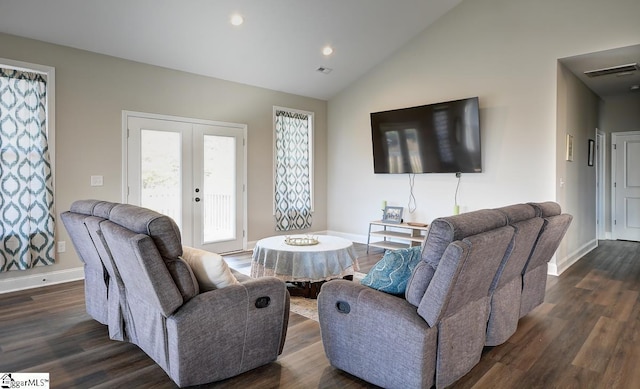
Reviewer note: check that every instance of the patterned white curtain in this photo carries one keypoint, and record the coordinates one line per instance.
(26, 188)
(292, 182)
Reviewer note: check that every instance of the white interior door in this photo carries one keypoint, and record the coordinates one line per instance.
(193, 171)
(625, 156)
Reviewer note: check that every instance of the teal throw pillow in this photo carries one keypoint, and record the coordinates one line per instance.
(392, 272)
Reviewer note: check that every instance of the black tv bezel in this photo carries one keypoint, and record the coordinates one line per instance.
(376, 146)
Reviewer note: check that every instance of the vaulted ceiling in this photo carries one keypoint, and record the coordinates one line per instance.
(279, 45)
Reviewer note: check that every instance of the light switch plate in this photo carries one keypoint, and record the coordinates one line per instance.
(97, 181)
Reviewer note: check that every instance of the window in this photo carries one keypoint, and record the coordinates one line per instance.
(26, 169)
(293, 169)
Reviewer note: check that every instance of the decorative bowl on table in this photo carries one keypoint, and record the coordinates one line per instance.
(301, 240)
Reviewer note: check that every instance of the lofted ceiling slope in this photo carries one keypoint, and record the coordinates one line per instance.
(279, 45)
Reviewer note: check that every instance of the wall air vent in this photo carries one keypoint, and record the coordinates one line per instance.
(324, 69)
(632, 67)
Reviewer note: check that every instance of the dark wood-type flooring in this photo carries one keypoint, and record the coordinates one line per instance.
(585, 335)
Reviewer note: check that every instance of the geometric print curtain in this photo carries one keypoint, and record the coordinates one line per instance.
(26, 188)
(293, 171)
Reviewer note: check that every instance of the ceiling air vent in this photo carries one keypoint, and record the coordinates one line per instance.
(324, 69)
(632, 67)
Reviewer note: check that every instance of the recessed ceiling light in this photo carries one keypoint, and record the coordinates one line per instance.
(327, 50)
(236, 19)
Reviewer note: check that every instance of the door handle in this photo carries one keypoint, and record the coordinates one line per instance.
(197, 199)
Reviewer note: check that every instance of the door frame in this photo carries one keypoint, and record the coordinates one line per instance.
(125, 132)
(614, 135)
(601, 165)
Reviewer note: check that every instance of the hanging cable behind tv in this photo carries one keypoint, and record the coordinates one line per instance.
(456, 207)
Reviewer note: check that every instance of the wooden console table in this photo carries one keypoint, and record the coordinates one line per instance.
(413, 235)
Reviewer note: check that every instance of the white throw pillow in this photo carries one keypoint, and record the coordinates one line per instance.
(210, 269)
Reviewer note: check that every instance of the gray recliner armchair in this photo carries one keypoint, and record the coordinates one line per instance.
(506, 289)
(436, 333)
(98, 285)
(196, 337)
(534, 275)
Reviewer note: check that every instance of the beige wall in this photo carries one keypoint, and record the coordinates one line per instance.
(92, 90)
(577, 116)
(505, 52)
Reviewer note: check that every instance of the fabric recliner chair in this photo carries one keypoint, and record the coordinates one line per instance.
(97, 280)
(195, 337)
(116, 301)
(434, 335)
(506, 289)
(534, 275)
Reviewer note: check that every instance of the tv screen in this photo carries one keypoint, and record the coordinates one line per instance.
(434, 138)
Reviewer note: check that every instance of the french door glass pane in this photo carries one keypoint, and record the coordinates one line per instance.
(219, 188)
(160, 173)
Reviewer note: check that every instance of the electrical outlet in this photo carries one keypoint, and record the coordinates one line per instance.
(62, 246)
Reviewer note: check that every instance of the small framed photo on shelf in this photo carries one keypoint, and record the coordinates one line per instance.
(392, 215)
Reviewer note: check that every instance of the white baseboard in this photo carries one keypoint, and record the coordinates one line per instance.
(560, 265)
(352, 237)
(555, 268)
(41, 279)
(58, 277)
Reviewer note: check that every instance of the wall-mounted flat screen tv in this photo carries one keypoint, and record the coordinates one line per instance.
(434, 138)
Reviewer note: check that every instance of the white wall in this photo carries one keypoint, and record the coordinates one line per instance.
(505, 52)
(92, 90)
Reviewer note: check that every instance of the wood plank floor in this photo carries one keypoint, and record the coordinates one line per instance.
(585, 335)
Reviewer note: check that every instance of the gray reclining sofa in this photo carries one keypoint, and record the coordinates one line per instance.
(152, 299)
(480, 271)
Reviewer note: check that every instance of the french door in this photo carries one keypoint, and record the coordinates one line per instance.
(194, 172)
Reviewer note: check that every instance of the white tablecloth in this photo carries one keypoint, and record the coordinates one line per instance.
(332, 258)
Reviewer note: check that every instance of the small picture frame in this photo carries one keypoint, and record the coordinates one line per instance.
(392, 215)
(569, 147)
(592, 146)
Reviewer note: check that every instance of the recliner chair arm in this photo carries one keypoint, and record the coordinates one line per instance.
(378, 334)
(340, 294)
(223, 332)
